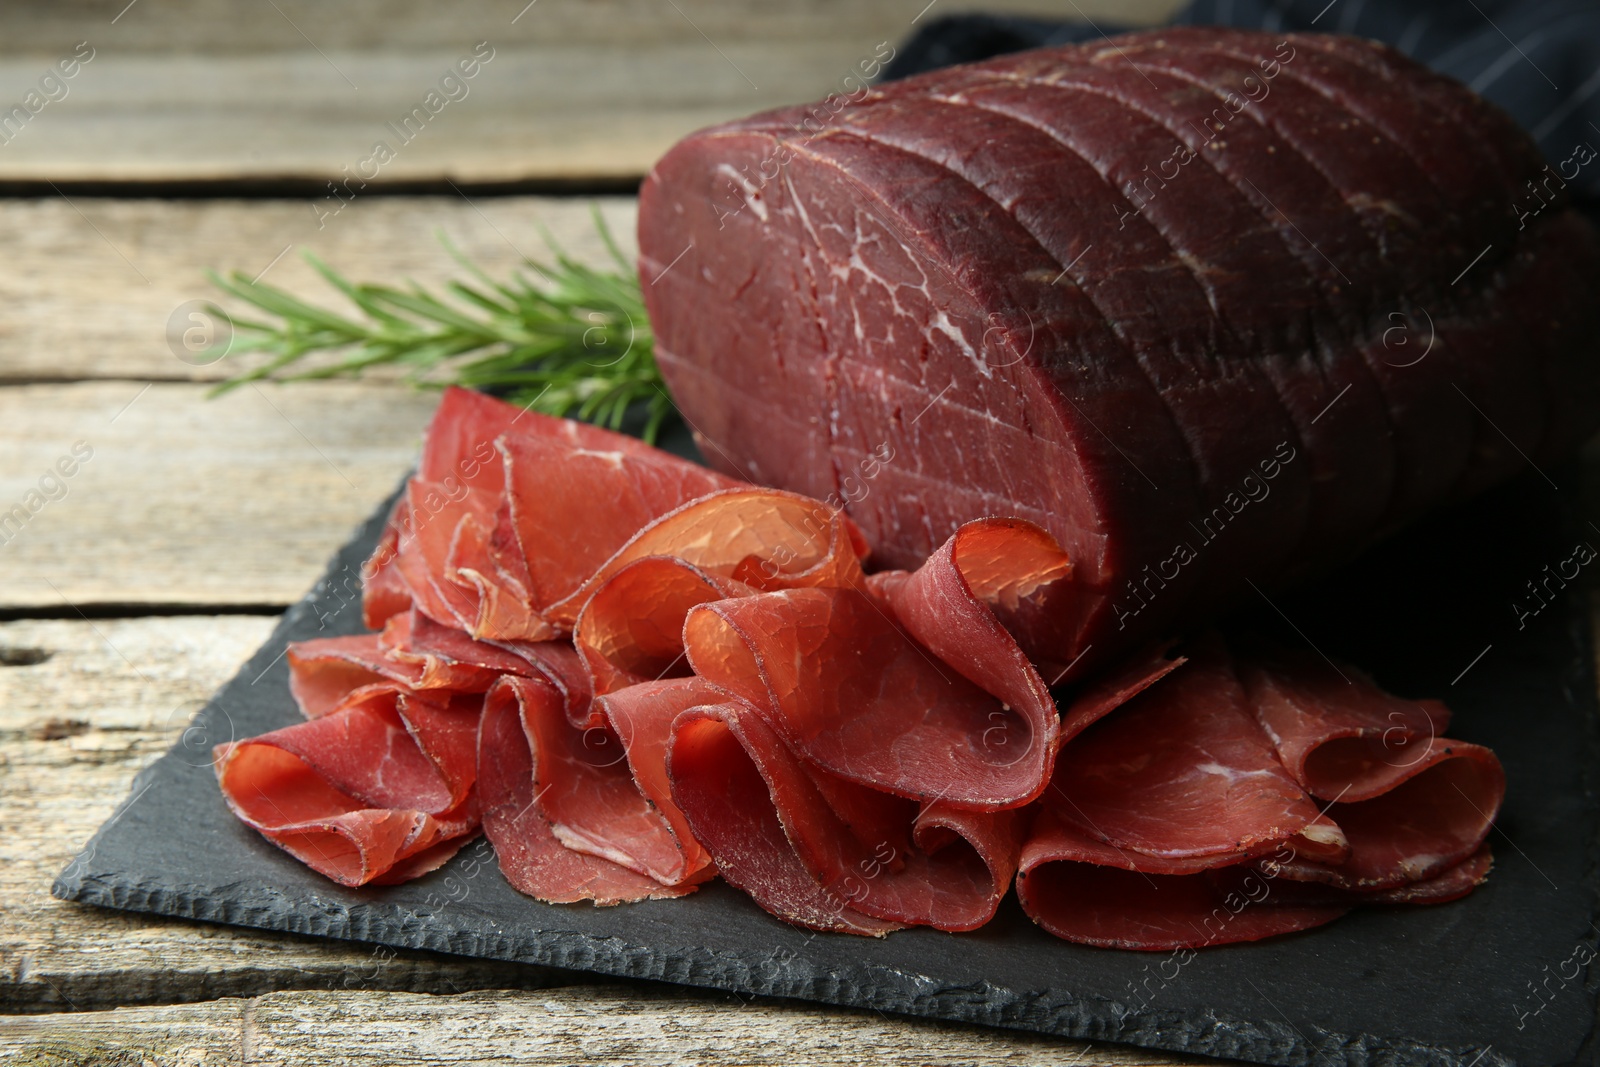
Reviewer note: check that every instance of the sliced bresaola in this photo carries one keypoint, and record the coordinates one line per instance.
(1085, 890)
(833, 674)
(1181, 771)
(603, 788)
(825, 852)
(458, 476)
(519, 715)
(1341, 736)
(1117, 685)
(412, 651)
(575, 503)
(764, 538)
(1412, 803)
(429, 517)
(384, 592)
(631, 629)
(968, 603)
(725, 545)
(380, 790)
(1452, 883)
(630, 751)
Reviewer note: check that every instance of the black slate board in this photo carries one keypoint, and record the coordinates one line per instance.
(1493, 979)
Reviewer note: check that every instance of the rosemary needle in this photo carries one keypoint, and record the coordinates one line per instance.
(574, 341)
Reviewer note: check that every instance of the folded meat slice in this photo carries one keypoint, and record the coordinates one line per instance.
(833, 674)
(1341, 736)
(827, 853)
(1085, 890)
(325, 670)
(574, 504)
(1181, 771)
(526, 748)
(763, 538)
(380, 790)
(604, 788)
(444, 657)
(1449, 884)
(631, 629)
(412, 651)
(1117, 685)
(384, 592)
(971, 603)
(1412, 803)
(1430, 822)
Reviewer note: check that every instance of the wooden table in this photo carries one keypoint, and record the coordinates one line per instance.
(199, 136)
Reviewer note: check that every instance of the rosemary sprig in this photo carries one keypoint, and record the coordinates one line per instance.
(575, 341)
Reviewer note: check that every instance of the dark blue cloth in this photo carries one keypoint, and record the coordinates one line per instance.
(1537, 59)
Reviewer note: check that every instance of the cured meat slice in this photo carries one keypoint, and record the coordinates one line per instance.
(325, 670)
(1085, 890)
(381, 790)
(836, 677)
(1118, 685)
(641, 717)
(444, 657)
(573, 507)
(1411, 802)
(1429, 822)
(760, 537)
(1207, 322)
(1182, 771)
(863, 851)
(590, 783)
(1453, 883)
(631, 629)
(968, 604)
(1341, 736)
(412, 651)
(430, 517)
(532, 857)
(384, 593)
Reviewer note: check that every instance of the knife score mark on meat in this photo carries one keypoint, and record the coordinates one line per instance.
(1101, 288)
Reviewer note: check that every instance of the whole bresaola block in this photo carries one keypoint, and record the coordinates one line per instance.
(1213, 307)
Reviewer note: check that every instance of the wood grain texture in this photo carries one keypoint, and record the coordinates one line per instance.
(90, 285)
(190, 501)
(221, 27)
(576, 91)
(590, 1025)
(108, 698)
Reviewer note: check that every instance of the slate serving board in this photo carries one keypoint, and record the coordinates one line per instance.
(1497, 978)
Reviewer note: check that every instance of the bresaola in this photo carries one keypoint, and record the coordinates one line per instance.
(634, 675)
(1209, 307)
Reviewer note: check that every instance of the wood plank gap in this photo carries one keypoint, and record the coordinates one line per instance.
(312, 187)
(115, 610)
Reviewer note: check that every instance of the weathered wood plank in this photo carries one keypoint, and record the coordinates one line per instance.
(189, 501)
(590, 1025)
(576, 91)
(90, 285)
(108, 698)
(221, 27)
